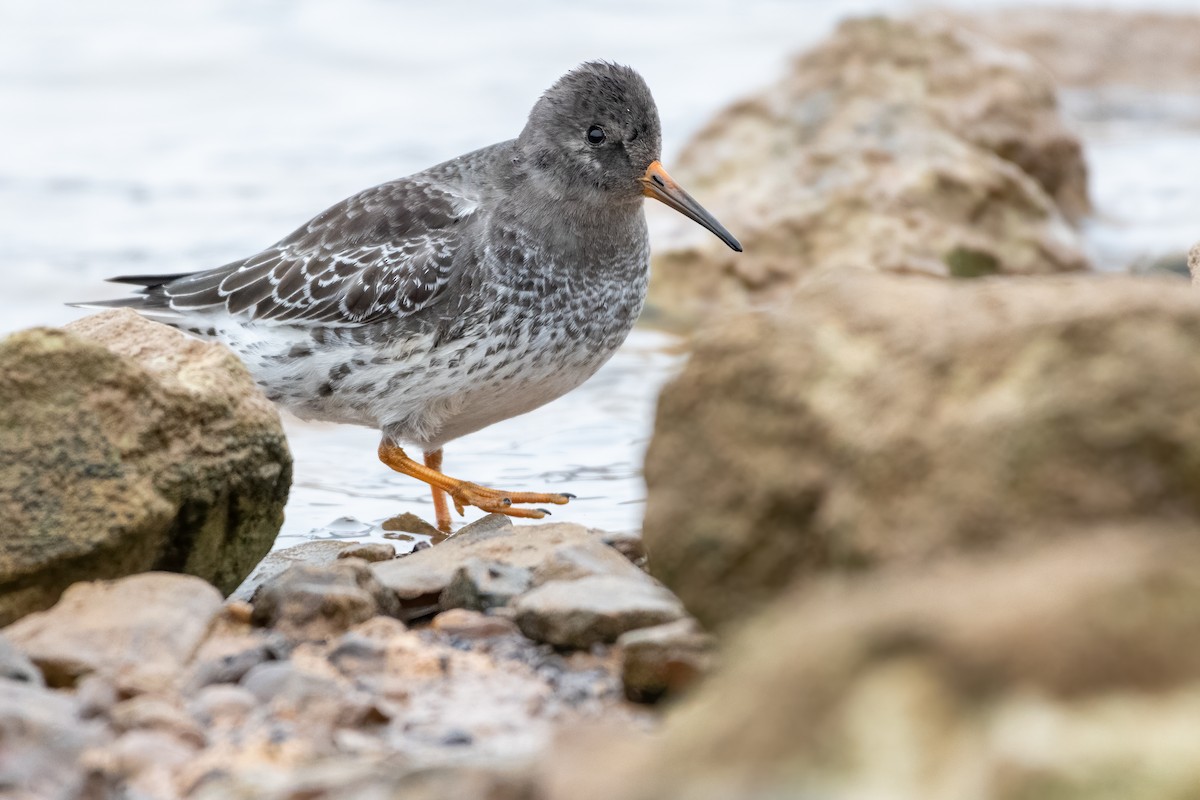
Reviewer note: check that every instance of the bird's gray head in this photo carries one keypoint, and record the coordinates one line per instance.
(594, 138)
(594, 133)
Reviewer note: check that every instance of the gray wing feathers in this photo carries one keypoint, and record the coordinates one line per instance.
(384, 252)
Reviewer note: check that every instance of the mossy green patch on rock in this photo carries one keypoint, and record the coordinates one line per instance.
(113, 461)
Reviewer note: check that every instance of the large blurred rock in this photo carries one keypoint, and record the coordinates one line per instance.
(896, 146)
(126, 446)
(1069, 672)
(884, 419)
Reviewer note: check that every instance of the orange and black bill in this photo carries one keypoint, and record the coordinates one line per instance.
(658, 184)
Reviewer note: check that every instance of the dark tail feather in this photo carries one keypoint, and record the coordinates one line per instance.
(148, 280)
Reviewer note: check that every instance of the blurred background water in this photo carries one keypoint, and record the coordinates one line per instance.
(164, 137)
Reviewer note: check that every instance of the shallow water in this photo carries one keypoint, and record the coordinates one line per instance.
(155, 137)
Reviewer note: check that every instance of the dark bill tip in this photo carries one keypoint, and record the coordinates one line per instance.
(658, 184)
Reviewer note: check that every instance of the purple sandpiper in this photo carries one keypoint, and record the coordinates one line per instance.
(479, 289)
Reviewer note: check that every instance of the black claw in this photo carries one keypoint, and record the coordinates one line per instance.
(545, 511)
(506, 501)
(567, 495)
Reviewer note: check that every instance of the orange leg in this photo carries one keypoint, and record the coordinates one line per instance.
(463, 493)
(433, 460)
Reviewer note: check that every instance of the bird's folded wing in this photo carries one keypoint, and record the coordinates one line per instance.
(385, 252)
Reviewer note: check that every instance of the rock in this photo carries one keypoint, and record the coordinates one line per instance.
(315, 553)
(663, 660)
(1194, 263)
(896, 146)
(1062, 671)
(16, 666)
(149, 712)
(592, 610)
(140, 629)
(569, 562)
(628, 544)
(1142, 51)
(310, 602)
(883, 419)
(42, 739)
(126, 446)
(369, 551)
(142, 763)
(479, 585)
(420, 578)
(222, 705)
(461, 623)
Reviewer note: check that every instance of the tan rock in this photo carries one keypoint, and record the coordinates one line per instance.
(664, 660)
(460, 622)
(141, 629)
(593, 610)
(320, 602)
(907, 147)
(128, 446)
(1066, 671)
(423, 575)
(883, 419)
(1194, 263)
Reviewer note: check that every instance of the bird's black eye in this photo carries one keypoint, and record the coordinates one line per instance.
(595, 135)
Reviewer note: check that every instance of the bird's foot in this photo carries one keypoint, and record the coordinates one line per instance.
(495, 501)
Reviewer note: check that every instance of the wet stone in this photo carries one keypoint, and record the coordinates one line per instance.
(595, 609)
(479, 585)
(315, 553)
(663, 660)
(466, 624)
(369, 551)
(320, 602)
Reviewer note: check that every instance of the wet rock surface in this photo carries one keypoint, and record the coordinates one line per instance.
(896, 146)
(883, 419)
(126, 446)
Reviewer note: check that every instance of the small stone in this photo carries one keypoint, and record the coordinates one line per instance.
(590, 557)
(96, 695)
(467, 624)
(157, 713)
(315, 553)
(628, 544)
(356, 654)
(663, 660)
(320, 602)
(222, 705)
(411, 523)
(479, 585)
(230, 668)
(281, 681)
(142, 628)
(42, 738)
(598, 608)
(369, 551)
